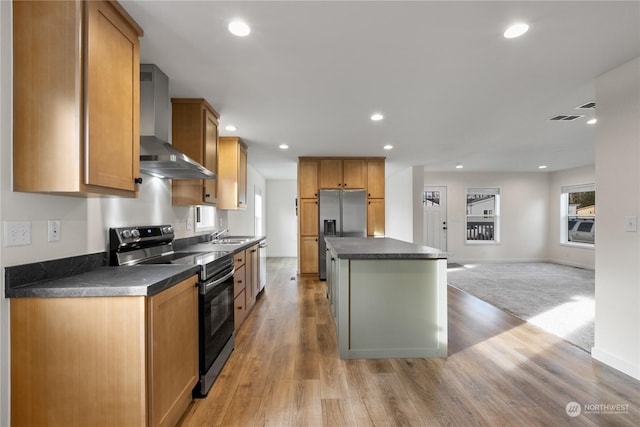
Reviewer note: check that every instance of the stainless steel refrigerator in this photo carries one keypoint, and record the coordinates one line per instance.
(342, 213)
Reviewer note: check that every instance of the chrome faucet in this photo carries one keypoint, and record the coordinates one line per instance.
(215, 235)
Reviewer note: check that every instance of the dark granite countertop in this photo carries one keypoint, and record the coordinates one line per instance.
(135, 280)
(89, 275)
(380, 248)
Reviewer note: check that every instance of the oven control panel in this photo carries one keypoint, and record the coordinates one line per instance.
(123, 236)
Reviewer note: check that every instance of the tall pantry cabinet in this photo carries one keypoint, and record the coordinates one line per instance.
(316, 173)
(76, 96)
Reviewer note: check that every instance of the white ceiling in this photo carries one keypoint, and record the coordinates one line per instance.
(451, 87)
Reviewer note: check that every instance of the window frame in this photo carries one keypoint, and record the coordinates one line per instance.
(495, 191)
(565, 216)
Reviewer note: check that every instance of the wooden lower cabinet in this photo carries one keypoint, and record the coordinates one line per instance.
(375, 217)
(246, 283)
(104, 361)
(309, 255)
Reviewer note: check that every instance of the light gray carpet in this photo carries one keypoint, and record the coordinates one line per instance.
(557, 298)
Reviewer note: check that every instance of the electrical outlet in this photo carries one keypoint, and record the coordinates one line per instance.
(53, 230)
(189, 224)
(17, 233)
(631, 223)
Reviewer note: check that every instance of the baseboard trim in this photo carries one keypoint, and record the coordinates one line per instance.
(616, 363)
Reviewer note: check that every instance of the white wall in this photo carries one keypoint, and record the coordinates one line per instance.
(617, 323)
(562, 253)
(282, 222)
(398, 201)
(242, 223)
(523, 215)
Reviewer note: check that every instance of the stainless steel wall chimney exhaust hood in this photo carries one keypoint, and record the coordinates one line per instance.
(157, 156)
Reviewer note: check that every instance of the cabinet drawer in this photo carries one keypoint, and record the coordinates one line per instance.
(239, 310)
(239, 259)
(239, 281)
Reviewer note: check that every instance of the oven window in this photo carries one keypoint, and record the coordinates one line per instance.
(216, 322)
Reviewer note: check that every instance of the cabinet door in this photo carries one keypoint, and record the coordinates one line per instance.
(95, 369)
(249, 295)
(354, 173)
(308, 217)
(242, 176)
(375, 179)
(173, 351)
(307, 179)
(375, 217)
(331, 173)
(255, 268)
(210, 155)
(112, 96)
(309, 255)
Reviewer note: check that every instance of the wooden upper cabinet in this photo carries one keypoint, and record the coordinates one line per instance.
(330, 173)
(375, 179)
(375, 217)
(77, 130)
(194, 131)
(307, 179)
(354, 173)
(343, 173)
(232, 173)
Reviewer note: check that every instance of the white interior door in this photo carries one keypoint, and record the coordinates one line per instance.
(434, 202)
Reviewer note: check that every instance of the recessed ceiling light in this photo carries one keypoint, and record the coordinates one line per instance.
(230, 128)
(592, 122)
(283, 146)
(516, 30)
(388, 147)
(542, 167)
(239, 28)
(376, 117)
(459, 166)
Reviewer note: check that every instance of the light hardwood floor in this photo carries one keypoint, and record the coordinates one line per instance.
(285, 371)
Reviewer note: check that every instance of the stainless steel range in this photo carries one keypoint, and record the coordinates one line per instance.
(154, 245)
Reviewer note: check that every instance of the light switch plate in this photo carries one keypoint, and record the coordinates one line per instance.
(17, 233)
(631, 223)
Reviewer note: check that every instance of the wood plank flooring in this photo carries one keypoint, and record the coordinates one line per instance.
(285, 371)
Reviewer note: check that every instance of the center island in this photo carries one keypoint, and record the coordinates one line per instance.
(388, 298)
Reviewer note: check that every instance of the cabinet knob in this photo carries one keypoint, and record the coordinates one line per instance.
(207, 195)
(239, 281)
(138, 180)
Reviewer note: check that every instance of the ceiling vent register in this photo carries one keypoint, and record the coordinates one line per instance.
(566, 118)
(588, 106)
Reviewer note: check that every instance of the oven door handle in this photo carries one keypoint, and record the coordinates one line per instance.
(211, 285)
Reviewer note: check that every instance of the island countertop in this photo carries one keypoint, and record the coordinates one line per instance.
(380, 248)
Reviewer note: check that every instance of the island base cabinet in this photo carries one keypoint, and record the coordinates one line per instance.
(390, 308)
(104, 361)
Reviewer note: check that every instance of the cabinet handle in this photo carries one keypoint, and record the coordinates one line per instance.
(239, 281)
(207, 196)
(254, 250)
(369, 201)
(316, 202)
(138, 180)
(369, 194)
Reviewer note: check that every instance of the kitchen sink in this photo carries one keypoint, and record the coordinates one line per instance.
(230, 241)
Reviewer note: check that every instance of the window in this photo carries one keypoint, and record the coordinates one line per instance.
(578, 215)
(431, 198)
(483, 210)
